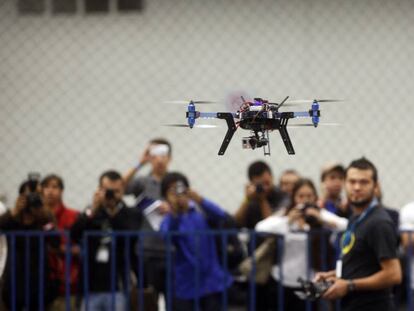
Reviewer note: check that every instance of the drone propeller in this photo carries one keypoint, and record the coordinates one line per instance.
(204, 126)
(311, 124)
(186, 102)
(310, 101)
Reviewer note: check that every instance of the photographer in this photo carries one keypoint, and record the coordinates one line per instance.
(262, 199)
(302, 216)
(23, 267)
(108, 213)
(196, 255)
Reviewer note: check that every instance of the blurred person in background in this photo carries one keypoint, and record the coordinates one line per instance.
(3, 243)
(52, 188)
(3, 253)
(394, 214)
(287, 181)
(262, 196)
(25, 272)
(407, 241)
(262, 199)
(147, 190)
(195, 254)
(158, 154)
(302, 216)
(107, 214)
(369, 266)
(332, 183)
(399, 291)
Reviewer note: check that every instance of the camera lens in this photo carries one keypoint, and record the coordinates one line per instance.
(33, 201)
(259, 188)
(109, 194)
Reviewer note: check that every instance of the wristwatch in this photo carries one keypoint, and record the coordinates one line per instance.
(351, 286)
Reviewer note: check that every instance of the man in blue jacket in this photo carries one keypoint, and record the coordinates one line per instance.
(198, 276)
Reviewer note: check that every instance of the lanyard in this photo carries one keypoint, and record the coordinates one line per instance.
(348, 238)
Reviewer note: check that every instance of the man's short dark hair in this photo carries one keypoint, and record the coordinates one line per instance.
(53, 177)
(332, 167)
(363, 164)
(171, 178)
(257, 169)
(162, 141)
(112, 175)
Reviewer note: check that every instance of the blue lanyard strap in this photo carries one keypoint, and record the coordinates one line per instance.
(348, 236)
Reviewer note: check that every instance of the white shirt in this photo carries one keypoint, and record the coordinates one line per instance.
(407, 223)
(295, 254)
(3, 244)
(294, 261)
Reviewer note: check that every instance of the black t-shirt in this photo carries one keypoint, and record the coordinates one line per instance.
(375, 240)
(127, 219)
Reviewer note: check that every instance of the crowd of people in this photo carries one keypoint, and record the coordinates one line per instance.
(96, 259)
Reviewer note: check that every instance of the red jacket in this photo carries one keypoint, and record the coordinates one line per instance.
(65, 218)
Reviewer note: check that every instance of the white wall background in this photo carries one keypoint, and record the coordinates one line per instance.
(80, 94)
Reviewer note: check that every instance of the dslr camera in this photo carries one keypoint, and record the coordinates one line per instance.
(33, 198)
(312, 290)
(109, 194)
(310, 220)
(259, 188)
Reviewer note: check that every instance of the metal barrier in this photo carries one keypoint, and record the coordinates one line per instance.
(28, 248)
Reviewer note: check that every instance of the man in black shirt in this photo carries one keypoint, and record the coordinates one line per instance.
(106, 279)
(262, 199)
(370, 266)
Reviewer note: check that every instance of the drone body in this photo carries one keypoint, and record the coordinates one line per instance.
(259, 117)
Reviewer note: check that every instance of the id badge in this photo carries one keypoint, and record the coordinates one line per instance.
(339, 268)
(102, 255)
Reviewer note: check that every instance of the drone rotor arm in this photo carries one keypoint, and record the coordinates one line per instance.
(207, 115)
(302, 114)
(213, 115)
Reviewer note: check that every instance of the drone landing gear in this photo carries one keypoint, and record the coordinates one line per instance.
(285, 136)
(230, 131)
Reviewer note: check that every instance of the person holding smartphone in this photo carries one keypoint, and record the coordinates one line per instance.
(147, 192)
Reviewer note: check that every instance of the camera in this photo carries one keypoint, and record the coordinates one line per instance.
(253, 142)
(312, 290)
(259, 189)
(33, 198)
(33, 202)
(310, 220)
(109, 194)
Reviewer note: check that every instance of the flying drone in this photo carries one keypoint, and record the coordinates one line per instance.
(260, 117)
